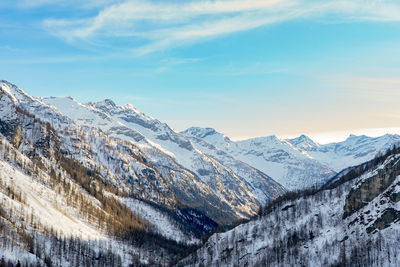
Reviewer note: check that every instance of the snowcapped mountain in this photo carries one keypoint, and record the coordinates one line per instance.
(353, 151)
(239, 186)
(143, 157)
(299, 162)
(355, 222)
(279, 158)
(106, 185)
(54, 210)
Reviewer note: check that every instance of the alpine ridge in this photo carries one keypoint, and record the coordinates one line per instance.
(100, 184)
(111, 188)
(296, 163)
(352, 222)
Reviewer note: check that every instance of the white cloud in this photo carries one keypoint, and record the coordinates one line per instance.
(151, 26)
(76, 4)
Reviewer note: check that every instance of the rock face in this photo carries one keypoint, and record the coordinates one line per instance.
(371, 187)
(388, 217)
(309, 228)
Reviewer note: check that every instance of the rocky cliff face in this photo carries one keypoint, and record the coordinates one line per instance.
(370, 187)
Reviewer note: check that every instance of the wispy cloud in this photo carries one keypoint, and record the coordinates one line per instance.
(77, 4)
(148, 26)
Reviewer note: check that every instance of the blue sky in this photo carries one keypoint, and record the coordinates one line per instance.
(247, 68)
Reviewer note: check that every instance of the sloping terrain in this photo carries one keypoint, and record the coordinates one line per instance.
(353, 222)
(145, 170)
(164, 146)
(296, 163)
(101, 184)
(61, 195)
(49, 216)
(351, 152)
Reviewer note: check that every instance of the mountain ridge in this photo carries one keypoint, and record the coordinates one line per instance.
(170, 188)
(354, 222)
(300, 157)
(220, 202)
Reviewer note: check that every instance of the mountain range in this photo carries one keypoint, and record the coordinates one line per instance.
(99, 175)
(296, 163)
(351, 222)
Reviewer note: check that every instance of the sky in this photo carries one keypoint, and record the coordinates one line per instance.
(246, 68)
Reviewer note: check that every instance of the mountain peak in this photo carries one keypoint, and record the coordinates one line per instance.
(7, 83)
(353, 137)
(109, 102)
(105, 105)
(15, 93)
(130, 107)
(200, 132)
(303, 142)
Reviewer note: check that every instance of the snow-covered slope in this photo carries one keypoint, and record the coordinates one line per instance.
(61, 188)
(354, 223)
(48, 208)
(44, 216)
(299, 162)
(229, 178)
(278, 158)
(163, 223)
(144, 157)
(351, 152)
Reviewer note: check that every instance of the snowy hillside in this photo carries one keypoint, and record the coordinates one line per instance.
(111, 143)
(42, 214)
(99, 184)
(351, 152)
(354, 223)
(164, 146)
(280, 159)
(61, 189)
(299, 162)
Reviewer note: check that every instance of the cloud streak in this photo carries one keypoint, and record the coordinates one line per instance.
(146, 26)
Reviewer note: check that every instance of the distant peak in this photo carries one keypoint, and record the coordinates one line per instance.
(305, 138)
(7, 83)
(271, 137)
(106, 104)
(353, 136)
(14, 92)
(303, 141)
(302, 137)
(109, 102)
(200, 132)
(131, 108)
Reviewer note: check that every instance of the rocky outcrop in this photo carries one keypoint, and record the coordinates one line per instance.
(17, 138)
(388, 217)
(371, 187)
